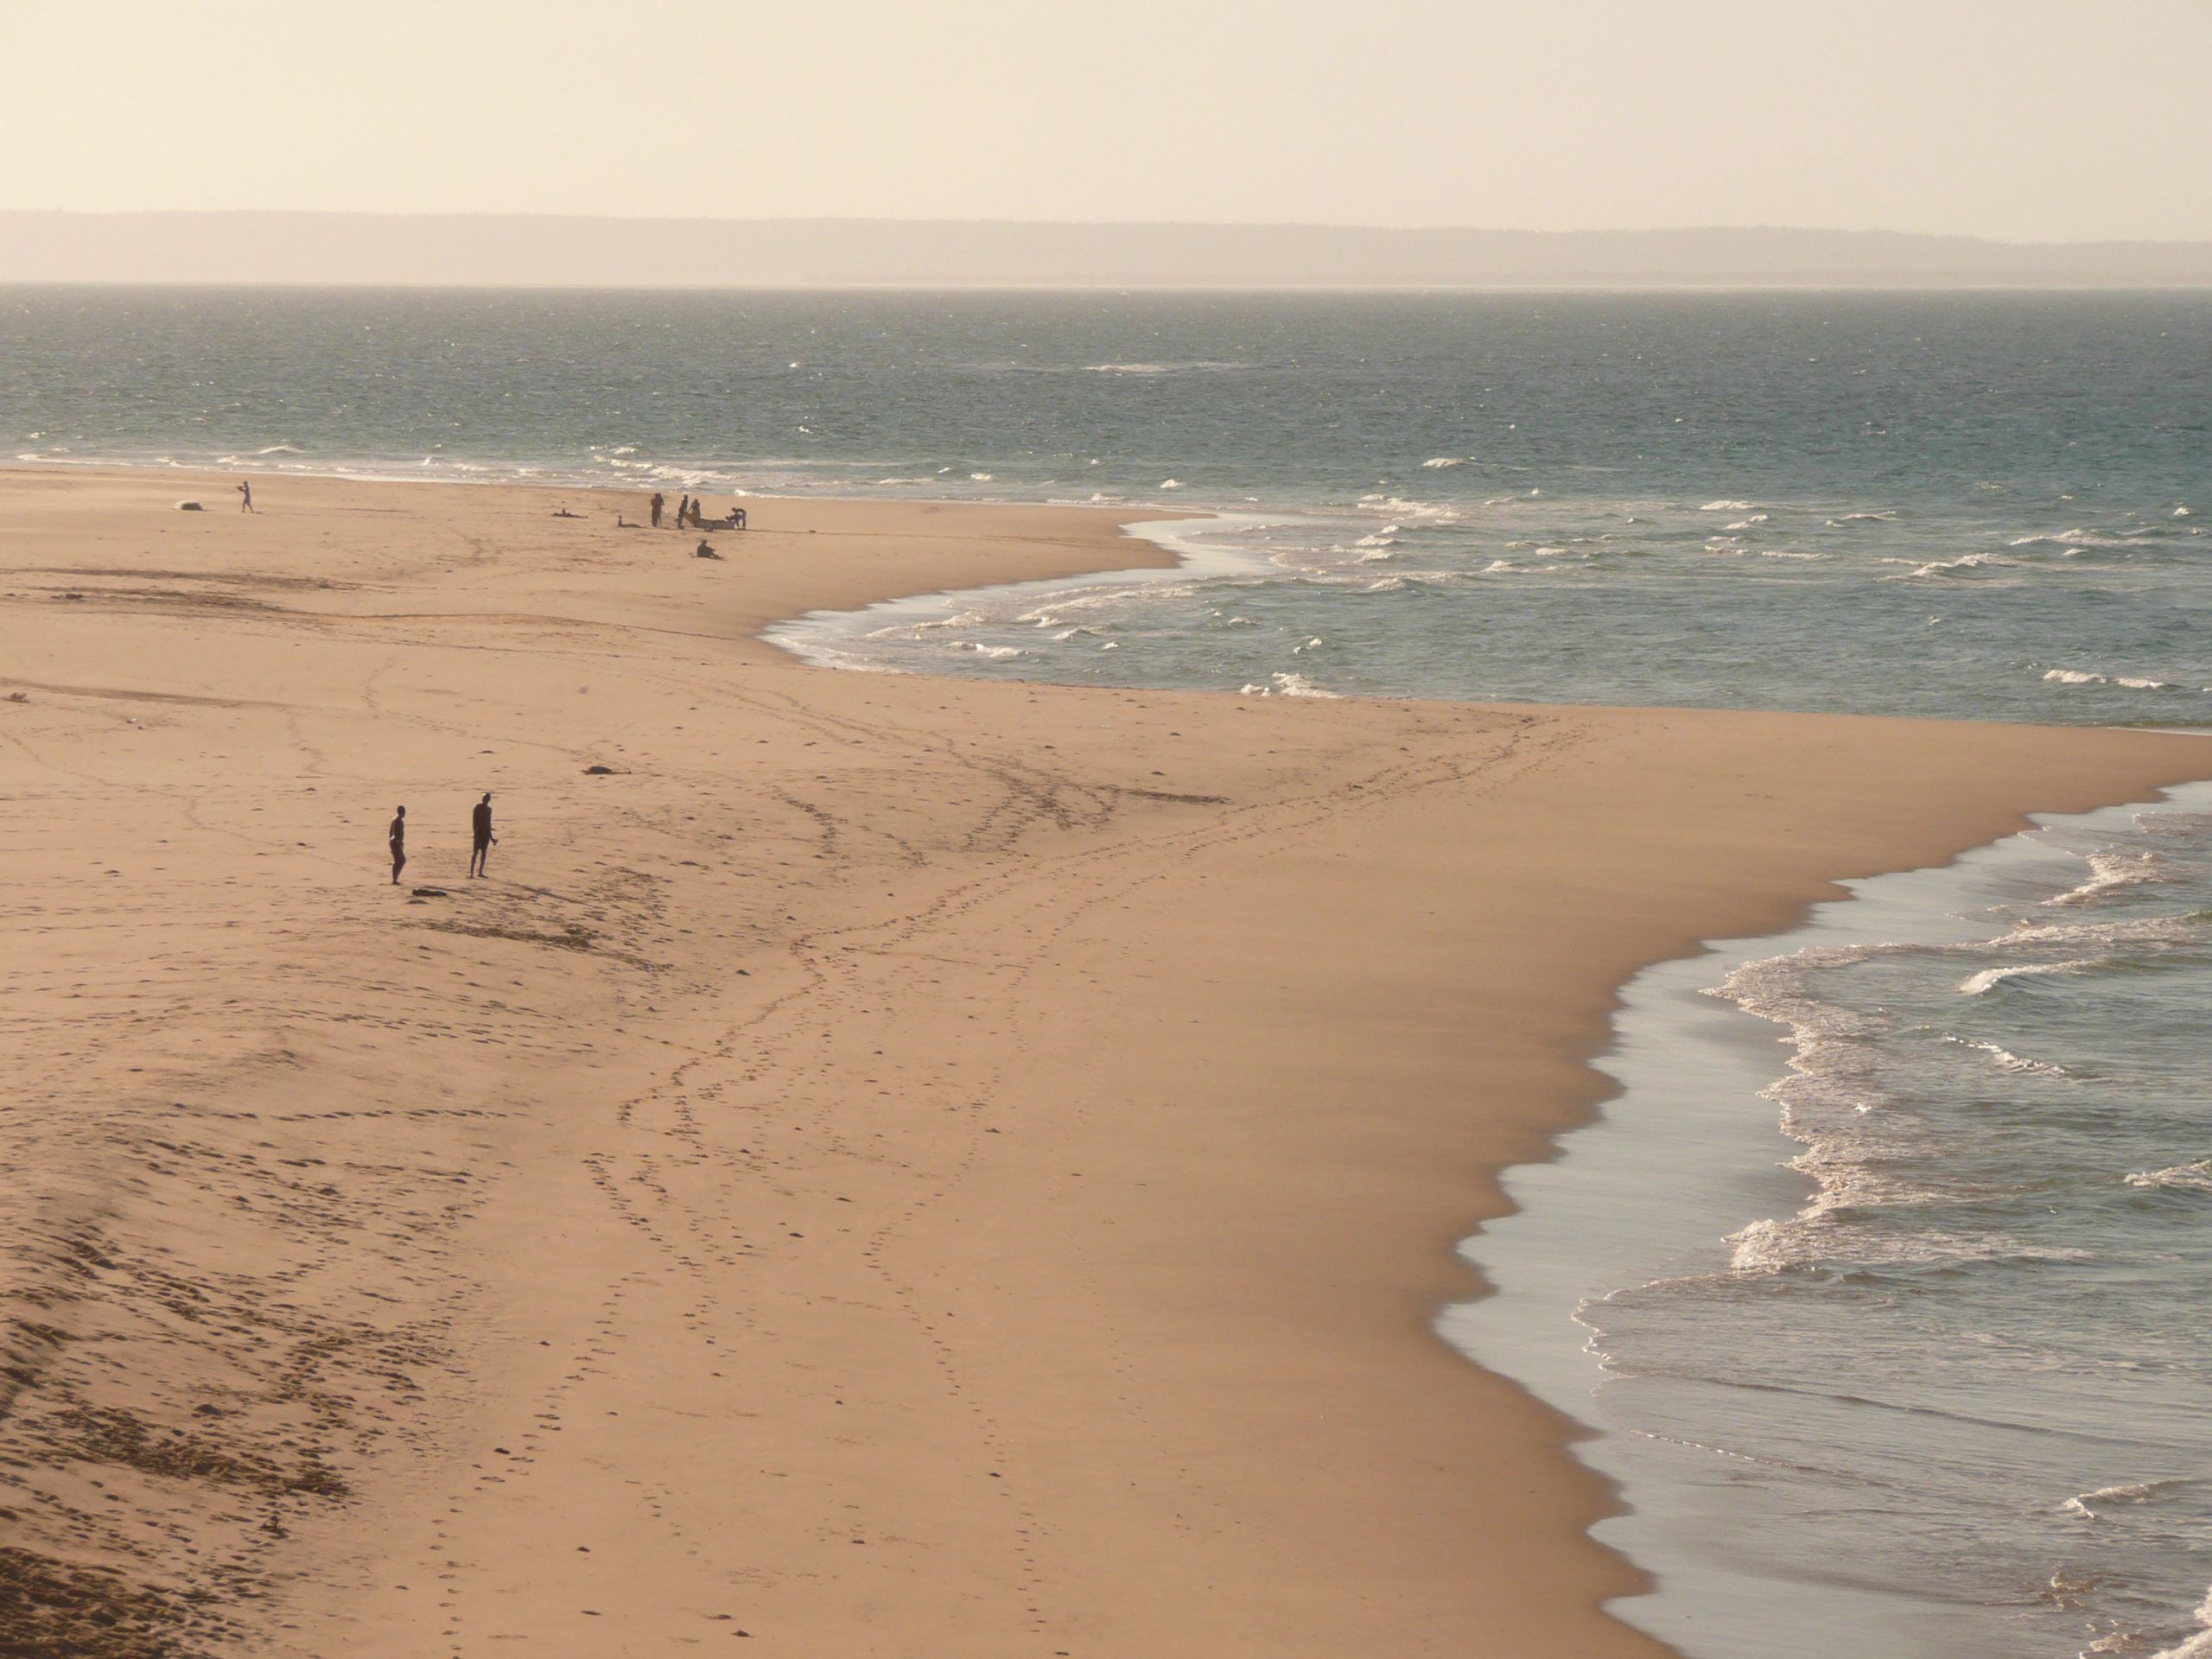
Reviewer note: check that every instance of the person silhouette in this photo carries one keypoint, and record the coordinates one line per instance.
(245, 495)
(398, 845)
(657, 504)
(481, 827)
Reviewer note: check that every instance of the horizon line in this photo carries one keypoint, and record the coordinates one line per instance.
(495, 215)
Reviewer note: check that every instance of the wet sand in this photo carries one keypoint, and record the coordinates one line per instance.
(887, 1166)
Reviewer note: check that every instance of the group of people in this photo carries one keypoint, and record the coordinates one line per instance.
(690, 513)
(479, 831)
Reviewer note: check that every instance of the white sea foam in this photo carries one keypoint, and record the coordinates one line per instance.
(2108, 870)
(1813, 1235)
(2008, 1061)
(2082, 676)
(1729, 506)
(1775, 987)
(2127, 1492)
(1938, 568)
(1398, 507)
(2081, 536)
(1286, 685)
(1989, 978)
(1859, 1150)
(995, 652)
(2184, 929)
(2198, 1646)
(1441, 460)
(1201, 367)
(2181, 1178)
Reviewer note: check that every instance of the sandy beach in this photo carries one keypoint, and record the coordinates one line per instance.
(882, 1166)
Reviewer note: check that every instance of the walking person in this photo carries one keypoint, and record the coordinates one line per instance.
(657, 504)
(481, 835)
(245, 496)
(398, 845)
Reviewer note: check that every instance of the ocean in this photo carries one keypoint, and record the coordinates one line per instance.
(1881, 1273)
(1894, 1351)
(1992, 505)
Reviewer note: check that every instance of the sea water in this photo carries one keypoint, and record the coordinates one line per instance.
(1882, 1275)
(1883, 1272)
(1992, 505)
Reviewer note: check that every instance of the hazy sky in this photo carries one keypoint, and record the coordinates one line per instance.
(2027, 119)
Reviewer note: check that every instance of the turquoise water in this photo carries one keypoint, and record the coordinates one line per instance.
(1920, 1375)
(1980, 504)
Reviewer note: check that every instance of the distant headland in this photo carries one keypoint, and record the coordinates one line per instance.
(563, 252)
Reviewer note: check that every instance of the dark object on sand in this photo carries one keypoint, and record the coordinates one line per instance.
(432, 893)
(599, 771)
(565, 513)
(190, 506)
(704, 550)
(481, 835)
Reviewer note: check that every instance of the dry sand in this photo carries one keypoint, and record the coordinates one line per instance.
(895, 1167)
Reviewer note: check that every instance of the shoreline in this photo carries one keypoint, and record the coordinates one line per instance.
(1697, 1074)
(1205, 1252)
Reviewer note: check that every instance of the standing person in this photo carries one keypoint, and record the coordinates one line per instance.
(657, 504)
(480, 826)
(245, 495)
(398, 845)
(682, 511)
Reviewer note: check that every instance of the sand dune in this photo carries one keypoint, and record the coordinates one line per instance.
(883, 1166)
